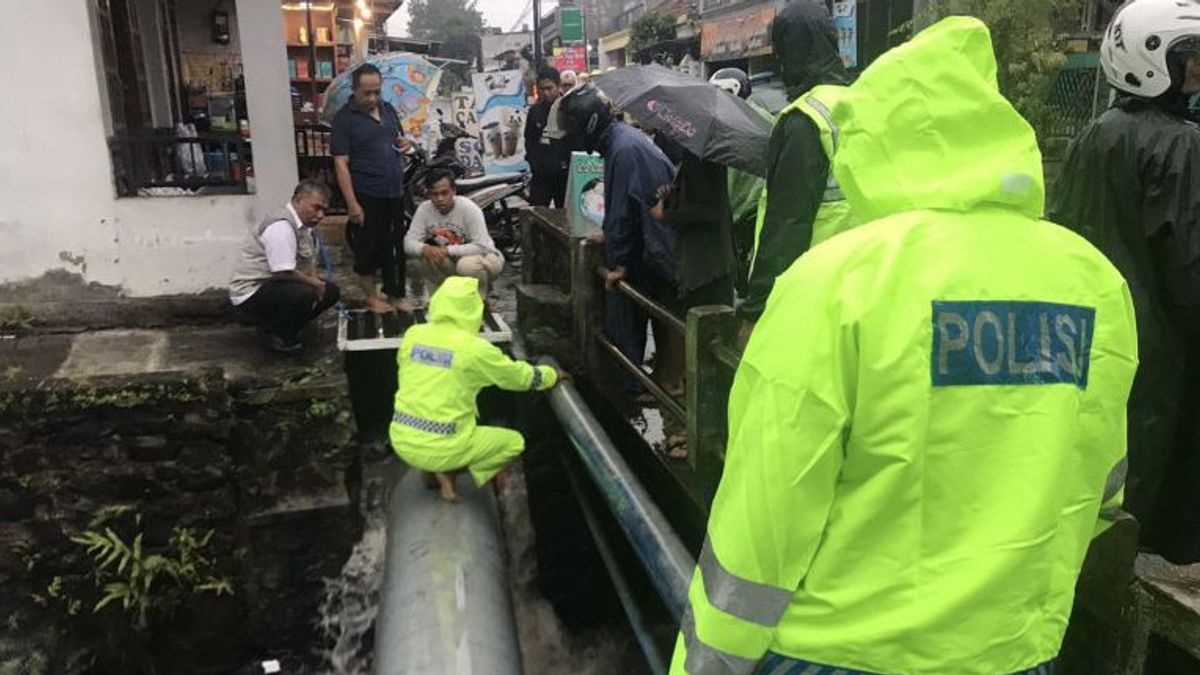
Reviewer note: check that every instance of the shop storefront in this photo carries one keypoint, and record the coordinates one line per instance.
(613, 49)
(741, 40)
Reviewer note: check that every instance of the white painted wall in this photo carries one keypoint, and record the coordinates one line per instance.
(57, 199)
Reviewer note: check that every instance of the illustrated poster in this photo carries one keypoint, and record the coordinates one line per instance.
(500, 110)
(585, 194)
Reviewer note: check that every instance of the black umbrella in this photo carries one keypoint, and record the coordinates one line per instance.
(708, 122)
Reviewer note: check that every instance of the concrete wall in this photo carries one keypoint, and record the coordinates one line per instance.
(58, 205)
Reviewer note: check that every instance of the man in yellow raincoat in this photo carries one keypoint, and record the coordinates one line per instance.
(928, 423)
(443, 365)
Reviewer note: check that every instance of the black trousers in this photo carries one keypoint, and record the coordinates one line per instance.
(546, 187)
(284, 307)
(379, 242)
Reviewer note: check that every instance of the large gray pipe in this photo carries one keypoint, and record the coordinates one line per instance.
(444, 608)
(664, 556)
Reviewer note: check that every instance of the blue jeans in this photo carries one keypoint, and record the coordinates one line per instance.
(774, 664)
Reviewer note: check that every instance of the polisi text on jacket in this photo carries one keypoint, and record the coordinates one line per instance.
(989, 342)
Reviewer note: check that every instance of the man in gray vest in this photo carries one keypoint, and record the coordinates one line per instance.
(275, 279)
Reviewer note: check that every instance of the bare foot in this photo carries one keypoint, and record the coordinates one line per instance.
(401, 305)
(446, 481)
(379, 305)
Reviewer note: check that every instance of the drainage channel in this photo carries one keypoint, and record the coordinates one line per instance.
(350, 625)
(457, 588)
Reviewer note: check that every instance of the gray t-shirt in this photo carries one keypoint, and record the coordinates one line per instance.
(463, 231)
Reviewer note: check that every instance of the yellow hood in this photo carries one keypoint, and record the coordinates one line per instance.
(458, 303)
(925, 127)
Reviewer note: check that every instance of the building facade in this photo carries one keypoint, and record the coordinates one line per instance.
(68, 202)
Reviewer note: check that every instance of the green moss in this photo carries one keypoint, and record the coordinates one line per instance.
(321, 409)
(88, 397)
(16, 318)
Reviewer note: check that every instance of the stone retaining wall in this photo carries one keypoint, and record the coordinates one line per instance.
(269, 467)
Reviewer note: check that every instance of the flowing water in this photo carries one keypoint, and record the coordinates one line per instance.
(348, 611)
(347, 618)
(547, 647)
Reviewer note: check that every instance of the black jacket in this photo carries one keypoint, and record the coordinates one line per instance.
(1131, 186)
(545, 156)
(797, 168)
(698, 210)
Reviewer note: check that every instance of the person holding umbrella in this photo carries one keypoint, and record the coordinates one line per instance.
(802, 205)
(696, 207)
(704, 130)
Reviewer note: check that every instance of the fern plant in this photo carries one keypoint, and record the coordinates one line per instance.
(146, 584)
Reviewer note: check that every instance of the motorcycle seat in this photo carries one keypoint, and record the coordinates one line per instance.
(480, 182)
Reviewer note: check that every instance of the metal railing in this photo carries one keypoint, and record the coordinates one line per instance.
(147, 164)
(572, 264)
(711, 363)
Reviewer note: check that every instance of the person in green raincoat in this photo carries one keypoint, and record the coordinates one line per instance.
(801, 204)
(443, 365)
(928, 424)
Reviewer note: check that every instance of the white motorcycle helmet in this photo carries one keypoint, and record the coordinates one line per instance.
(1136, 44)
(732, 80)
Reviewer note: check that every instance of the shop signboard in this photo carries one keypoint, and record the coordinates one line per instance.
(570, 25)
(573, 57)
(845, 22)
(738, 36)
(463, 106)
(500, 109)
(585, 194)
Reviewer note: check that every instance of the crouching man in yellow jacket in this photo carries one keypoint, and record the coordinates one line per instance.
(929, 421)
(443, 365)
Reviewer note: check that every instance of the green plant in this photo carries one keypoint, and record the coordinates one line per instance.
(24, 550)
(16, 661)
(145, 584)
(649, 30)
(321, 409)
(55, 591)
(16, 318)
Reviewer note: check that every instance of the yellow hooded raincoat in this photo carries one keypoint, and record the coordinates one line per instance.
(443, 365)
(924, 424)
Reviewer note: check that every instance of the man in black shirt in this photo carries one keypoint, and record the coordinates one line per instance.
(368, 146)
(548, 158)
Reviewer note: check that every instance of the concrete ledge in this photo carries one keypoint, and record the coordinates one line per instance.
(77, 316)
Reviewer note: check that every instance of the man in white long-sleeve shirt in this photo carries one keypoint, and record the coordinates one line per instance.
(448, 236)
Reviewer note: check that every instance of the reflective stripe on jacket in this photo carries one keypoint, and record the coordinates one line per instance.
(834, 214)
(443, 365)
